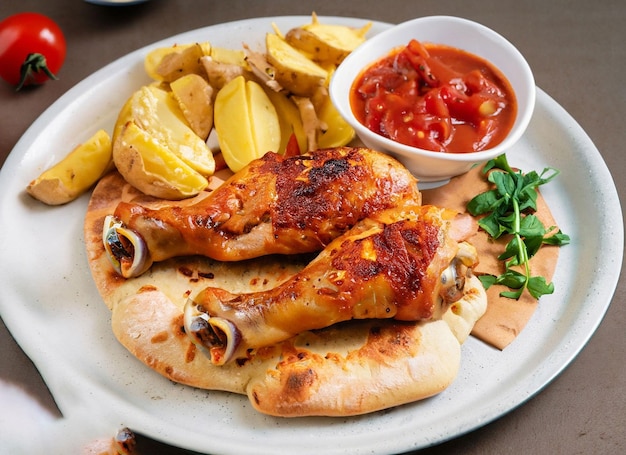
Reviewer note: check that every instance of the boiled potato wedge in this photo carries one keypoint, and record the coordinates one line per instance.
(246, 123)
(157, 112)
(195, 99)
(326, 43)
(169, 63)
(75, 173)
(152, 168)
(289, 119)
(293, 70)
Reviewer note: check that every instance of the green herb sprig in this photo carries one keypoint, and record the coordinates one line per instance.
(508, 211)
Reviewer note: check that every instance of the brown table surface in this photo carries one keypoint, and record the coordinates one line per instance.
(577, 50)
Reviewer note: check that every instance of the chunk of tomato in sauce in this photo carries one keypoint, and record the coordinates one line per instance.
(435, 97)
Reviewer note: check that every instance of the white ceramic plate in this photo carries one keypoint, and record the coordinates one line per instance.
(51, 306)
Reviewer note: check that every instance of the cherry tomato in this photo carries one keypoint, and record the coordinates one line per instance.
(32, 49)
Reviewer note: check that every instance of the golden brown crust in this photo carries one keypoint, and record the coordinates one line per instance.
(354, 368)
(383, 268)
(275, 205)
(395, 363)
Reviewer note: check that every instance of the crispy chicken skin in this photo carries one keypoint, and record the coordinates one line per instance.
(275, 205)
(404, 263)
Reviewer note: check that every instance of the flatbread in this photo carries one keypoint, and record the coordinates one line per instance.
(351, 368)
(505, 318)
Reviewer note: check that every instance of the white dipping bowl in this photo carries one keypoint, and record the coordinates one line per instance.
(426, 165)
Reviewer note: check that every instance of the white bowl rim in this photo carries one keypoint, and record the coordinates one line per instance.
(340, 96)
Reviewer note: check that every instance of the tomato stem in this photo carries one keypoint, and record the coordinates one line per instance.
(34, 63)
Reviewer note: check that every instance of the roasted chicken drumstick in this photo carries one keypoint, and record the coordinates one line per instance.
(405, 263)
(275, 205)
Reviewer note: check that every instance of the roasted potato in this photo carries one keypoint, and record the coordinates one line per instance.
(75, 173)
(289, 120)
(293, 70)
(157, 112)
(169, 63)
(195, 99)
(246, 123)
(224, 65)
(152, 168)
(326, 43)
(220, 73)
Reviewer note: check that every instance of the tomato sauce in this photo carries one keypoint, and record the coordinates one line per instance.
(435, 97)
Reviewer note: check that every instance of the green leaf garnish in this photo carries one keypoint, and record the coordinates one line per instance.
(507, 210)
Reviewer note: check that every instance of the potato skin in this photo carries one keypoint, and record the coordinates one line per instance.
(294, 71)
(326, 43)
(51, 191)
(169, 63)
(320, 51)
